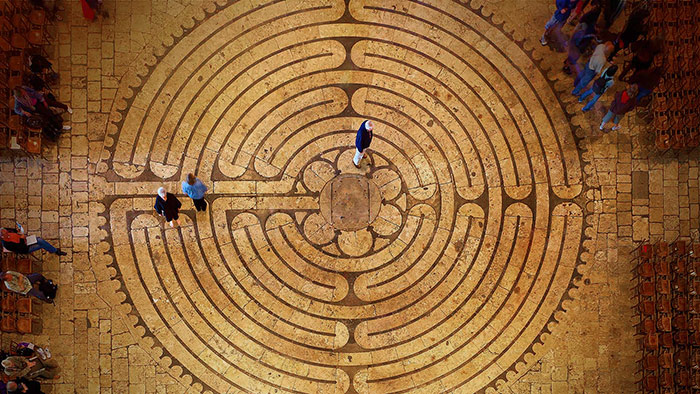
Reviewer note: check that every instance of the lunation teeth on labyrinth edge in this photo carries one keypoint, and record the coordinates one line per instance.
(433, 267)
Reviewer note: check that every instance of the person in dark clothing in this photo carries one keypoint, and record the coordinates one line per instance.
(362, 141)
(33, 105)
(624, 102)
(35, 82)
(644, 52)
(647, 80)
(30, 284)
(16, 241)
(590, 18)
(578, 44)
(168, 206)
(611, 10)
(24, 386)
(636, 26)
(560, 16)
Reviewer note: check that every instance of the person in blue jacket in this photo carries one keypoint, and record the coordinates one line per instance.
(559, 18)
(362, 141)
(195, 189)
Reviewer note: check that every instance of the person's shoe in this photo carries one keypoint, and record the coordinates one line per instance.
(172, 224)
(543, 41)
(615, 128)
(69, 110)
(580, 99)
(60, 252)
(585, 109)
(66, 127)
(356, 165)
(602, 126)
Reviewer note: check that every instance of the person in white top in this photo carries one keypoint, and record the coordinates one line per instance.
(594, 67)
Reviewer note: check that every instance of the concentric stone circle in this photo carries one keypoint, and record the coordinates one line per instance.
(477, 234)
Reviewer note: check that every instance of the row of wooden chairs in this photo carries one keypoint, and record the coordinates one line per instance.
(18, 312)
(668, 305)
(676, 123)
(24, 30)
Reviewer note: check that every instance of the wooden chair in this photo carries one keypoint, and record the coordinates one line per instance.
(24, 325)
(8, 324)
(24, 305)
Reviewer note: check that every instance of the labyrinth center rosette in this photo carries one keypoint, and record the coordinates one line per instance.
(440, 276)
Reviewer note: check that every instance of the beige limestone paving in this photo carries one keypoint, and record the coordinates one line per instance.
(496, 254)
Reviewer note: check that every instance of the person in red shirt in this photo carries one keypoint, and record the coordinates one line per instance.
(624, 102)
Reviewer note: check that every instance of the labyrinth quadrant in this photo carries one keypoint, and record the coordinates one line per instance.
(433, 267)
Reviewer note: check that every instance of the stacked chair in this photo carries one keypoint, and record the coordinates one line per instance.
(675, 104)
(23, 32)
(18, 312)
(668, 307)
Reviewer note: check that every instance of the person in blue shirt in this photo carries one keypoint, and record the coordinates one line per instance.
(362, 141)
(559, 18)
(195, 189)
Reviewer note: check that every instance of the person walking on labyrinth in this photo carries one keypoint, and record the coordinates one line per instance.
(195, 189)
(362, 141)
(168, 206)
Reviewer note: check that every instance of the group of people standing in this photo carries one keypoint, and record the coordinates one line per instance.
(594, 77)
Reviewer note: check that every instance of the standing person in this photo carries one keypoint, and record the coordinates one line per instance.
(600, 86)
(578, 44)
(594, 67)
(14, 281)
(21, 367)
(635, 27)
(643, 52)
(195, 189)
(168, 206)
(647, 80)
(624, 102)
(16, 241)
(558, 18)
(24, 386)
(362, 141)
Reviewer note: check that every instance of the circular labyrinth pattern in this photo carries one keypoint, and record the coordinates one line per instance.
(458, 267)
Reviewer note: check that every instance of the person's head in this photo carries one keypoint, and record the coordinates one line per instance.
(370, 125)
(12, 387)
(18, 92)
(609, 47)
(611, 70)
(191, 179)
(162, 192)
(632, 90)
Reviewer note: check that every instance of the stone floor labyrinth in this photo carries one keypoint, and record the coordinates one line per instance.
(435, 267)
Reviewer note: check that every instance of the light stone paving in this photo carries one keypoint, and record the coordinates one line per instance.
(495, 259)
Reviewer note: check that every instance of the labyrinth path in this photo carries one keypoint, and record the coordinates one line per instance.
(435, 267)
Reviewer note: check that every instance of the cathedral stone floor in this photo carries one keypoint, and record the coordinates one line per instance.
(483, 245)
